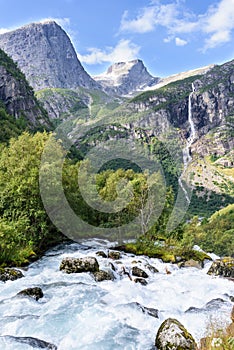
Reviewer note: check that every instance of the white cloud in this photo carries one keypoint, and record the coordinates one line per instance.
(149, 18)
(219, 23)
(125, 50)
(4, 30)
(63, 22)
(180, 42)
(142, 24)
(215, 25)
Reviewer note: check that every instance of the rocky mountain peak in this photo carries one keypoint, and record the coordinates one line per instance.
(125, 78)
(46, 55)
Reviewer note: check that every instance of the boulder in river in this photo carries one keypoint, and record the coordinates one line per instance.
(102, 275)
(35, 293)
(101, 253)
(78, 265)
(191, 263)
(114, 255)
(9, 274)
(33, 342)
(136, 271)
(222, 267)
(172, 335)
(140, 280)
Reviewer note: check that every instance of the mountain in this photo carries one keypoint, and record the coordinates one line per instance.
(18, 105)
(46, 56)
(179, 76)
(126, 78)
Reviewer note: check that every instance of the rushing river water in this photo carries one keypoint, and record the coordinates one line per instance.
(78, 313)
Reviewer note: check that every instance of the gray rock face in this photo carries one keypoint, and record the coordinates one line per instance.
(78, 265)
(212, 102)
(17, 96)
(125, 78)
(173, 336)
(46, 55)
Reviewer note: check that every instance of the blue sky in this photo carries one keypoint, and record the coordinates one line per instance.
(169, 36)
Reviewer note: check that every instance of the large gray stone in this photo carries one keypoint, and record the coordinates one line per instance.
(172, 335)
(78, 265)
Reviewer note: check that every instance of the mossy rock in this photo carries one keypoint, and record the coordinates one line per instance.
(114, 255)
(9, 274)
(172, 335)
(222, 267)
(102, 275)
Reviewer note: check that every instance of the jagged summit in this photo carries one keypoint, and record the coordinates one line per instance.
(124, 78)
(46, 55)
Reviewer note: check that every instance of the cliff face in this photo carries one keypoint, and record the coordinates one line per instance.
(17, 96)
(46, 56)
(211, 102)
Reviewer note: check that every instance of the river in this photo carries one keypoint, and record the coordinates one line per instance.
(77, 312)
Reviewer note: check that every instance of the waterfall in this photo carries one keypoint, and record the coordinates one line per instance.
(186, 151)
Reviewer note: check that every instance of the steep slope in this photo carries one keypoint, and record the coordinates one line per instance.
(125, 78)
(46, 56)
(17, 98)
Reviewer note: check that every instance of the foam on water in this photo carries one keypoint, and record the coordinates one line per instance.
(79, 313)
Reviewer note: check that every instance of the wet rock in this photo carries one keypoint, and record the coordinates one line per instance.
(172, 335)
(136, 271)
(112, 266)
(35, 293)
(214, 304)
(231, 298)
(151, 268)
(102, 275)
(146, 310)
(192, 263)
(114, 255)
(9, 274)
(78, 265)
(222, 267)
(33, 342)
(102, 254)
(140, 280)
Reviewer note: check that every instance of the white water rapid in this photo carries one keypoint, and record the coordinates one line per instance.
(78, 313)
(186, 151)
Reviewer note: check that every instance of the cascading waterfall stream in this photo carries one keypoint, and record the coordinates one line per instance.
(79, 313)
(186, 151)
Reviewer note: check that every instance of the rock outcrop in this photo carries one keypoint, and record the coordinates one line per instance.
(78, 265)
(46, 55)
(172, 335)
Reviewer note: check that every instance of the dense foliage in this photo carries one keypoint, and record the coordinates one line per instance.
(26, 230)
